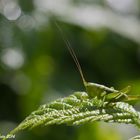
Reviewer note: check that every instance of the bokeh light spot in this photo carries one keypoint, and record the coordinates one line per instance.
(13, 58)
(11, 11)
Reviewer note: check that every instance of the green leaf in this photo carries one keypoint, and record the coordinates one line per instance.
(77, 109)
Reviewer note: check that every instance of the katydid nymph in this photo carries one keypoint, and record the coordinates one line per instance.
(97, 90)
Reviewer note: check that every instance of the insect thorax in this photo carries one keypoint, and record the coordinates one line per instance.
(94, 89)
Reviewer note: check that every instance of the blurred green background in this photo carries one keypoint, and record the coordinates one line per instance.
(36, 67)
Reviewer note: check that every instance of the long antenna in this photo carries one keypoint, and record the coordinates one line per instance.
(72, 53)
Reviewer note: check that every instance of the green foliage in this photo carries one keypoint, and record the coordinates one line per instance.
(108, 51)
(135, 138)
(77, 109)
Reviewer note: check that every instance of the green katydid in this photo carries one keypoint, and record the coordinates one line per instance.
(98, 90)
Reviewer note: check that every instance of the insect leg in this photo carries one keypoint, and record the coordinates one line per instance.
(119, 97)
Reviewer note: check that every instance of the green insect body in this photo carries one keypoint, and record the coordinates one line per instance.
(94, 89)
(106, 93)
(97, 90)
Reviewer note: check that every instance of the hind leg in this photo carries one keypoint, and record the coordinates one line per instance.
(119, 97)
